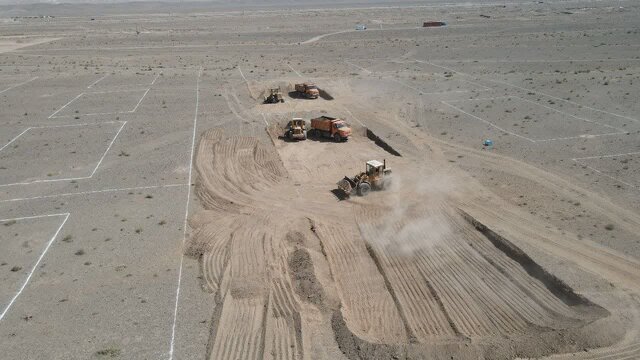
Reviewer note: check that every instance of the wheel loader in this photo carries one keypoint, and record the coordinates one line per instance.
(375, 177)
(275, 96)
(296, 129)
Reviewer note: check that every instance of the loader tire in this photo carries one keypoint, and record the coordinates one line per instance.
(336, 138)
(364, 189)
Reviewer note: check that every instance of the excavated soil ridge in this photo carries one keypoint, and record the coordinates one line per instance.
(406, 276)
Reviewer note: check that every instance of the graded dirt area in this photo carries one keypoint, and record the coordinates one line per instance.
(150, 207)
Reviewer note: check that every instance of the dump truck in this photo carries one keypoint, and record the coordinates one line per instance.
(308, 90)
(296, 129)
(275, 96)
(327, 126)
(375, 177)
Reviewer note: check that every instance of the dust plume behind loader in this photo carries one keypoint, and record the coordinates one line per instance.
(376, 176)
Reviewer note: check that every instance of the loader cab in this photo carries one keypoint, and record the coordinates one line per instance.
(375, 169)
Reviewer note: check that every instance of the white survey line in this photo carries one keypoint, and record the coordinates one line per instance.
(35, 266)
(607, 156)
(108, 148)
(51, 126)
(15, 138)
(241, 74)
(359, 67)
(265, 119)
(156, 78)
(80, 193)
(420, 92)
(186, 215)
(116, 91)
(410, 87)
(476, 84)
(65, 105)
(607, 175)
(16, 85)
(482, 99)
(565, 100)
(516, 61)
(537, 92)
(294, 70)
(568, 114)
(75, 178)
(443, 67)
(583, 136)
(97, 81)
(354, 117)
(140, 101)
(489, 122)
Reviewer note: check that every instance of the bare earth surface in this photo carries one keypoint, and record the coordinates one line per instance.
(151, 209)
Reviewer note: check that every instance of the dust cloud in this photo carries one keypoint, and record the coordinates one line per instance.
(415, 214)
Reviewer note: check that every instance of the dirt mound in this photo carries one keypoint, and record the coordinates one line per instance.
(304, 278)
(409, 276)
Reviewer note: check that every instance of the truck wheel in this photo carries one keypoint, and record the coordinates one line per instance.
(336, 138)
(363, 189)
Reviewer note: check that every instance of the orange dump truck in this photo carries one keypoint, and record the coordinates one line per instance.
(326, 126)
(308, 90)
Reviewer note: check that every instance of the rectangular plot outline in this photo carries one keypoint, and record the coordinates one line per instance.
(107, 75)
(35, 266)
(69, 125)
(19, 84)
(618, 131)
(536, 92)
(578, 161)
(54, 116)
(420, 92)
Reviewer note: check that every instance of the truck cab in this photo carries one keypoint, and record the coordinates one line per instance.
(341, 128)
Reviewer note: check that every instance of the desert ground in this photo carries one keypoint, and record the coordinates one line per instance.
(150, 207)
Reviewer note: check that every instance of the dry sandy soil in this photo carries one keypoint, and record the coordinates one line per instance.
(151, 209)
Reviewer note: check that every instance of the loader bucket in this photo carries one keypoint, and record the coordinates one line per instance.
(345, 185)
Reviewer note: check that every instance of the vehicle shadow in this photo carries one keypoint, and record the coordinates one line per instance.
(339, 194)
(297, 95)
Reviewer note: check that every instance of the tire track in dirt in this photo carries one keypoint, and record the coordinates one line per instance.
(471, 288)
(242, 260)
(367, 306)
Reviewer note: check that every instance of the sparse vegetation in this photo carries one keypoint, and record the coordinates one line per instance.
(109, 352)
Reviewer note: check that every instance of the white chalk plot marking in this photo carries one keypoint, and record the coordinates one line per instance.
(186, 214)
(97, 81)
(294, 70)
(70, 178)
(14, 139)
(616, 131)
(16, 85)
(581, 161)
(489, 122)
(35, 266)
(87, 94)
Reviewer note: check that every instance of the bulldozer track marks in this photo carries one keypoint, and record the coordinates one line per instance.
(409, 277)
(460, 285)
